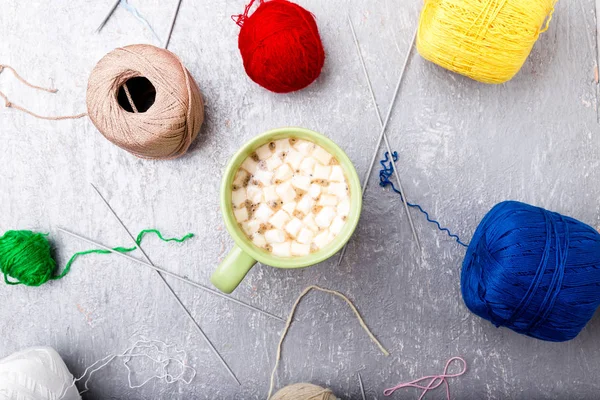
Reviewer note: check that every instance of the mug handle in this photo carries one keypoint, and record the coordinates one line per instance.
(230, 273)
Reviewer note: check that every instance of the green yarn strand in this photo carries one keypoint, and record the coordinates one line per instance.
(83, 253)
(26, 256)
(143, 233)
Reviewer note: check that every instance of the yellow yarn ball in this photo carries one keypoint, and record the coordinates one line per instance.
(304, 391)
(486, 40)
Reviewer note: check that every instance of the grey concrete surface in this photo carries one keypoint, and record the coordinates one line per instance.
(464, 146)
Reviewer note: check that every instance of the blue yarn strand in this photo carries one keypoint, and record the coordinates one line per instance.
(387, 170)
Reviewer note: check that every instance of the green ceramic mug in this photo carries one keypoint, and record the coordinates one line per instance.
(245, 254)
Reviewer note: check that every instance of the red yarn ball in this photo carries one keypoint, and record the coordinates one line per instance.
(280, 46)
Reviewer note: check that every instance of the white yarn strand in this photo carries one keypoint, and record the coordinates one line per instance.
(161, 356)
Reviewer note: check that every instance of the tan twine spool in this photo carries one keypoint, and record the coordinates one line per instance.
(165, 130)
(304, 391)
(169, 126)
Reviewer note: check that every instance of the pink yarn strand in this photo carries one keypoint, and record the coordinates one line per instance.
(435, 381)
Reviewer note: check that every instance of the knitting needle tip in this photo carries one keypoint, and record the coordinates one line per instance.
(172, 24)
(342, 255)
(362, 388)
(110, 12)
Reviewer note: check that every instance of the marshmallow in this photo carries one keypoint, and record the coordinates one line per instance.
(322, 156)
(263, 212)
(294, 158)
(250, 165)
(279, 219)
(338, 189)
(305, 204)
(253, 226)
(281, 249)
(309, 222)
(263, 177)
(274, 236)
(246, 228)
(322, 239)
(286, 192)
(314, 191)
(307, 166)
(241, 214)
(282, 145)
(270, 194)
(301, 182)
(238, 197)
(283, 173)
(325, 216)
(337, 174)
(328, 200)
(289, 207)
(343, 209)
(263, 152)
(337, 225)
(240, 177)
(254, 194)
(304, 147)
(273, 162)
(321, 172)
(259, 240)
(293, 226)
(305, 236)
(299, 249)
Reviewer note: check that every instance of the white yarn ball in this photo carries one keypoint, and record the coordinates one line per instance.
(36, 374)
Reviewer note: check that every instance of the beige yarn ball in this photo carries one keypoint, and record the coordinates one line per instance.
(143, 99)
(304, 391)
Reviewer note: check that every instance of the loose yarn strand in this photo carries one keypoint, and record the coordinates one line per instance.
(139, 239)
(25, 82)
(10, 104)
(161, 357)
(435, 382)
(291, 317)
(240, 18)
(384, 180)
(129, 98)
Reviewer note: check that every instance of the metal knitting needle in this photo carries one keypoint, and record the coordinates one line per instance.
(172, 24)
(187, 312)
(384, 125)
(110, 12)
(362, 388)
(387, 119)
(171, 274)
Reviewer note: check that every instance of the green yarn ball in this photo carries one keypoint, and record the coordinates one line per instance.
(26, 257)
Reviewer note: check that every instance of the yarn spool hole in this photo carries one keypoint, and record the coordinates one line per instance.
(142, 93)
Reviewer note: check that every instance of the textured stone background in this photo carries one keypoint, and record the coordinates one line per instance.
(464, 146)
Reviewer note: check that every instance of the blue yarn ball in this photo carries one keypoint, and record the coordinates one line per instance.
(534, 271)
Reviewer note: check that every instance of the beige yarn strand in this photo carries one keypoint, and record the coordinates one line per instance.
(130, 99)
(291, 317)
(10, 104)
